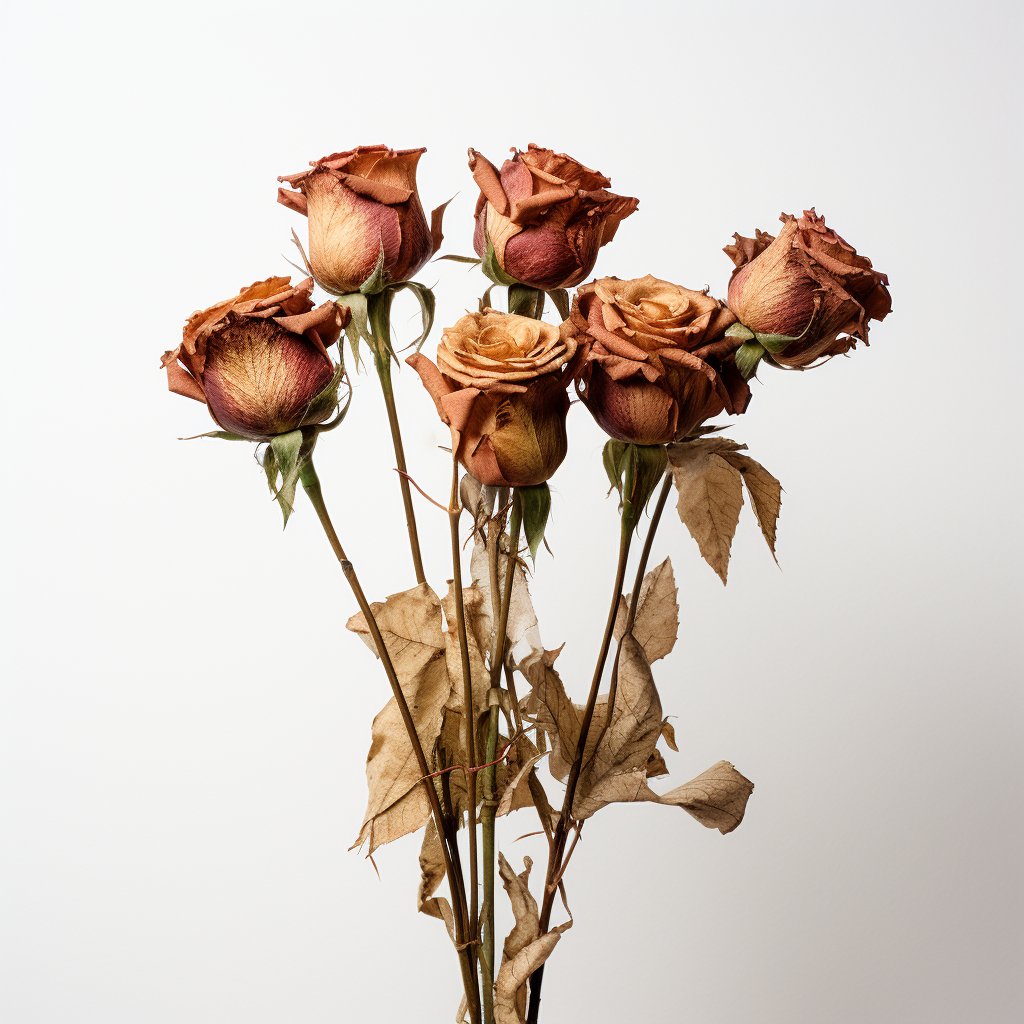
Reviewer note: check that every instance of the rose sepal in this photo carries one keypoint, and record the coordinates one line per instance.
(536, 504)
(284, 458)
(634, 471)
(747, 357)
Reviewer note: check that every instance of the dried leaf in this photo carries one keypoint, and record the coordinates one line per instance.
(657, 613)
(478, 618)
(710, 496)
(432, 872)
(522, 619)
(765, 494)
(556, 715)
(410, 623)
(717, 798)
(505, 804)
(618, 764)
(668, 732)
(525, 949)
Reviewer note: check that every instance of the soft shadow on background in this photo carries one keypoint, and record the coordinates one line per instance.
(185, 718)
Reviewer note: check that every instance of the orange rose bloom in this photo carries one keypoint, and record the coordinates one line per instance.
(499, 384)
(357, 202)
(808, 281)
(656, 363)
(259, 360)
(545, 215)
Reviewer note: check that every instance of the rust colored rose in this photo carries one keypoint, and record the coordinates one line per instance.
(806, 282)
(499, 383)
(357, 203)
(545, 215)
(655, 360)
(259, 360)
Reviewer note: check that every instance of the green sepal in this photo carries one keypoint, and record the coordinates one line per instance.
(776, 343)
(358, 328)
(525, 301)
(474, 260)
(536, 505)
(560, 297)
(490, 266)
(378, 311)
(224, 435)
(428, 304)
(378, 280)
(320, 407)
(748, 355)
(284, 457)
(737, 330)
(634, 470)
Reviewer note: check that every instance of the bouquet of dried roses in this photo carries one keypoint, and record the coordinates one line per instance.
(477, 702)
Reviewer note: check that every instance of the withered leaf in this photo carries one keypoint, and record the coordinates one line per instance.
(668, 731)
(765, 494)
(525, 949)
(657, 613)
(522, 619)
(505, 804)
(710, 496)
(717, 798)
(410, 623)
(557, 716)
(432, 873)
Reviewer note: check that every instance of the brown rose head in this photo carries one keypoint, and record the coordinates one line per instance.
(259, 360)
(655, 360)
(545, 215)
(499, 384)
(359, 203)
(807, 284)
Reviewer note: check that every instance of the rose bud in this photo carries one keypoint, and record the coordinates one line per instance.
(806, 295)
(259, 360)
(545, 216)
(655, 360)
(499, 384)
(358, 203)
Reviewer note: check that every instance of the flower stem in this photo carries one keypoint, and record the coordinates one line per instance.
(489, 804)
(379, 314)
(469, 711)
(311, 484)
(562, 828)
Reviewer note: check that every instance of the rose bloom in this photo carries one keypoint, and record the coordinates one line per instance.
(808, 275)
(259, 360)
(356, 202)
(499, 384)
(545, 215)
(655, 360)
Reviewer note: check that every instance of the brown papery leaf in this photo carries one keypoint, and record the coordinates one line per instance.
(410, 623)
(717, 798)
(765, 494)
(505, 804)
(710, 495)
(557, 716)
(522, 619)
(657, 613)
(524, 950)
(618, 765)
(432, 873)
(477, 609)
(668, 731)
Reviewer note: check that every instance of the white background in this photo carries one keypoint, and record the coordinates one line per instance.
(185, 718)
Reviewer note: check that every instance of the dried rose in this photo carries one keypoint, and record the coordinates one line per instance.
(545, 215)
(807, 284)
(499, 384)
(656, 363)
(259, 360)
(359, 203)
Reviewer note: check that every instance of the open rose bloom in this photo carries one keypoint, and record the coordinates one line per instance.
(358, 202)
(807, 281)
(655, 361)
(259, 360)
(500, 384)
(545, 215)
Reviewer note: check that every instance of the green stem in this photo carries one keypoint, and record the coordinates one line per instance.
(379, 315)
(468, 708)
(311, 484)
(490, 804)
(562, 828)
